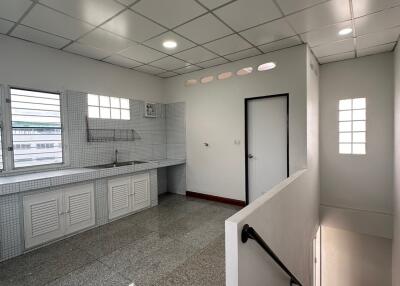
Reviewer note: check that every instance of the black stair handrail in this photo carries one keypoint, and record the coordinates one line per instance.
(249, 232)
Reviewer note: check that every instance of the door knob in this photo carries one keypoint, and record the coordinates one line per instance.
(250, 156)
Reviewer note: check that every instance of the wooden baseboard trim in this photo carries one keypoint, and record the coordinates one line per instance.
(216, 199)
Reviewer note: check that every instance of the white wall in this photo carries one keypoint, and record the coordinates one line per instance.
(24, 64)
(352, 259)
(215, 114)
(396, 200)
(286, 217)
(356, 191)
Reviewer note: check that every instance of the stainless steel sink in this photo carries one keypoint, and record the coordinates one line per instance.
(119, 164)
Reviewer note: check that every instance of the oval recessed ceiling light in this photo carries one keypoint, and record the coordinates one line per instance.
(345, 31)
(207, 79)
(170, 44)
(266, 66)
(245, 71)
(224, 75)
(191, 82)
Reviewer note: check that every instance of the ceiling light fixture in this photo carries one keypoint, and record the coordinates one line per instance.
(170, 44)
(266, 66)
(345, 31)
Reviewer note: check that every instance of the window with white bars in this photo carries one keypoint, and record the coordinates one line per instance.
(106, 107)
(352, 126)
(36, 128)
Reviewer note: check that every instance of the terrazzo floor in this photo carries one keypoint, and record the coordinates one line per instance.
(179, 242)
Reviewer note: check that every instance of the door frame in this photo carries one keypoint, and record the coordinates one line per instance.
(246, 145)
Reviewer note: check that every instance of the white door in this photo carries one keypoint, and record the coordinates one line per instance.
(79, 208)
(119, 197)
(266, 143)
(42, 218)
(141, 191)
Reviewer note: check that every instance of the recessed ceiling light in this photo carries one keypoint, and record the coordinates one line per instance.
(266, 66)
(170, 44)
(345, 31)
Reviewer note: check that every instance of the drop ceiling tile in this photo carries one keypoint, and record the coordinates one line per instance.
(211, 63)
(380, 38)
(122, 61)
(48, 20)
(364, 7)
(281, 44)
(243, 54)
(244, 14)
(336, 58)
(376, 50)
(169, 63)
(133, 26)
(196, 55)
(228, 45)
(334, 48)
(269, 32)
(187, 69)
(290, 6)
(39, 37)
(324, 14)
(105, 40)
(326, 34)
(157, 43)
(204, 29)
(212, 4)
(169, 13)
(13, 9)
(167, 74)
(378, 21)
(5, 26)
(87, 51)
(149, 69)
(142, 54)
(94, 12)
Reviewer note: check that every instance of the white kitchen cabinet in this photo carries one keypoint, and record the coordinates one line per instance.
(119, 197)
(141, 191)
(79, 208)
(128, 194)
(53, 214)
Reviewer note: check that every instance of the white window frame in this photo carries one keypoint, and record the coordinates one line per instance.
(8, 155)
(120, 108)
(351, 132)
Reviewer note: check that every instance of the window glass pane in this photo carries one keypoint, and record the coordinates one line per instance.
(345, 148)
(115, 102)
(359, 126)
(359, 103)
(345, 104)
(344, 126)
(124, 103)
(359, 114)
(345, 137)
(359, 149)
(345, 115)
(93, 99)
(104, 101)
(36, 128)
(125, 114)
(93, 112)
(104, 112)
(359, 137)
(115, 113)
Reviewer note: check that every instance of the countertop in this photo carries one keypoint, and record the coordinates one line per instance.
(27, 182)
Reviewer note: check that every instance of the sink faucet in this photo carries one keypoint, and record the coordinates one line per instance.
(116, 157)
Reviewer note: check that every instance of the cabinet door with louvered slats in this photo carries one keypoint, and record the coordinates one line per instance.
(42, 218)
(79, 208)
(141, 191)
(119, 197)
